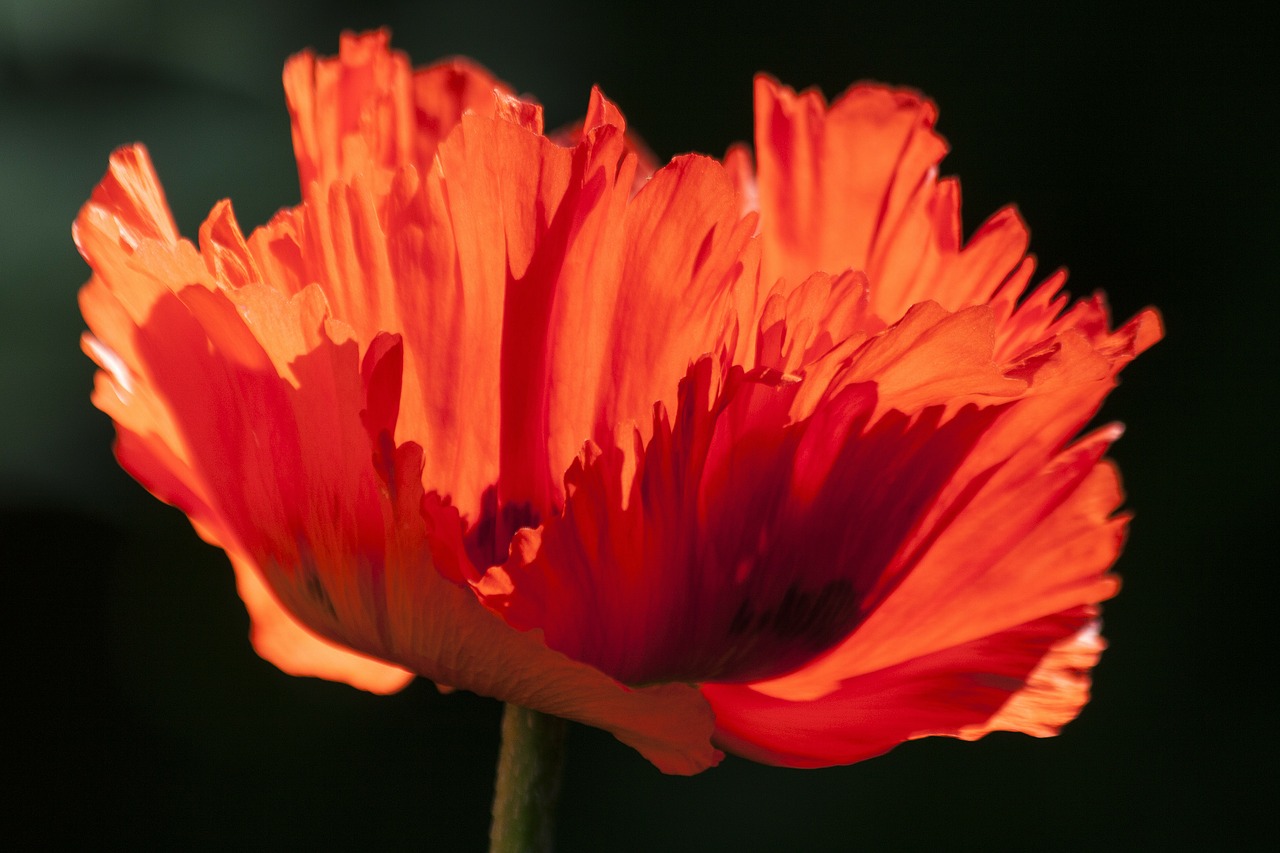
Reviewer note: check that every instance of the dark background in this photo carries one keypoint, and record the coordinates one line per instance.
(1139, 148)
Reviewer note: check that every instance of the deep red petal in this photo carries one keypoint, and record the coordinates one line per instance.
(950, 691)
(1020, 550)
(736, 543)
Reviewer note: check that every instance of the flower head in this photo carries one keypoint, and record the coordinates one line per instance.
(754, 453)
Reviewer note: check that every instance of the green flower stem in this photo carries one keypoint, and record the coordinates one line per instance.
(530, 765)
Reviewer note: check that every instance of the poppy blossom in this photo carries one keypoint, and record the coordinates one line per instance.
(753, 454)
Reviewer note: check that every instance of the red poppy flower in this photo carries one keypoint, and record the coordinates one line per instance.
(756, 454)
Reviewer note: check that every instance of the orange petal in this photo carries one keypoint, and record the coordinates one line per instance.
(931, 357)
(606, 297)
(797, 327)
(282, 454)
(854, 186)
(368, 112)
(688, 265)
(534, 223)
(600, 111)
(284, 641)
(1024, 528)
(1053, 694)
(1015, 552)
(514, 269)
(953, 691)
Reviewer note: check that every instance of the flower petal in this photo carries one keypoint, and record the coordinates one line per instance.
(606, 298)
(854, 186)
(278, 637)
(1054, 693)
(932, 357)
(736, 543)
(600, 111)
(518, 289)
(367, 111)
(282, 454)
(949, 691)
(1018, 550)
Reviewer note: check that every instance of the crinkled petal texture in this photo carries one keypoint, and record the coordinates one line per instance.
(986, 617)
(325, 426)
(869, 522)
(754, 452)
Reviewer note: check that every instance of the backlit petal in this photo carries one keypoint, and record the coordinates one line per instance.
(297, 477)
(435, 415)
(950, 691)
(367, 111)
(713, 553)
(855, 186)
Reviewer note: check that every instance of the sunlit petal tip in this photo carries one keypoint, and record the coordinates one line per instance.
(518, 111)
(110, 362)
(279, 638)
(1053, 694)
(601, 112)
(128, 203)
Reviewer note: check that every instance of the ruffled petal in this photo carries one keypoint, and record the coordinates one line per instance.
(950, 691)
(1024, 529)
(282, 452)
(1052, 695)
(932, 357)
(867, 521)
(606, 297)
(378, 234)
(534, 224)
(737, 542)
(855, 186)
(801, 326)
(368, 112)
(127, 233)
(1015, 554)
(601, 111)
(526, 293)
(278, 637)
